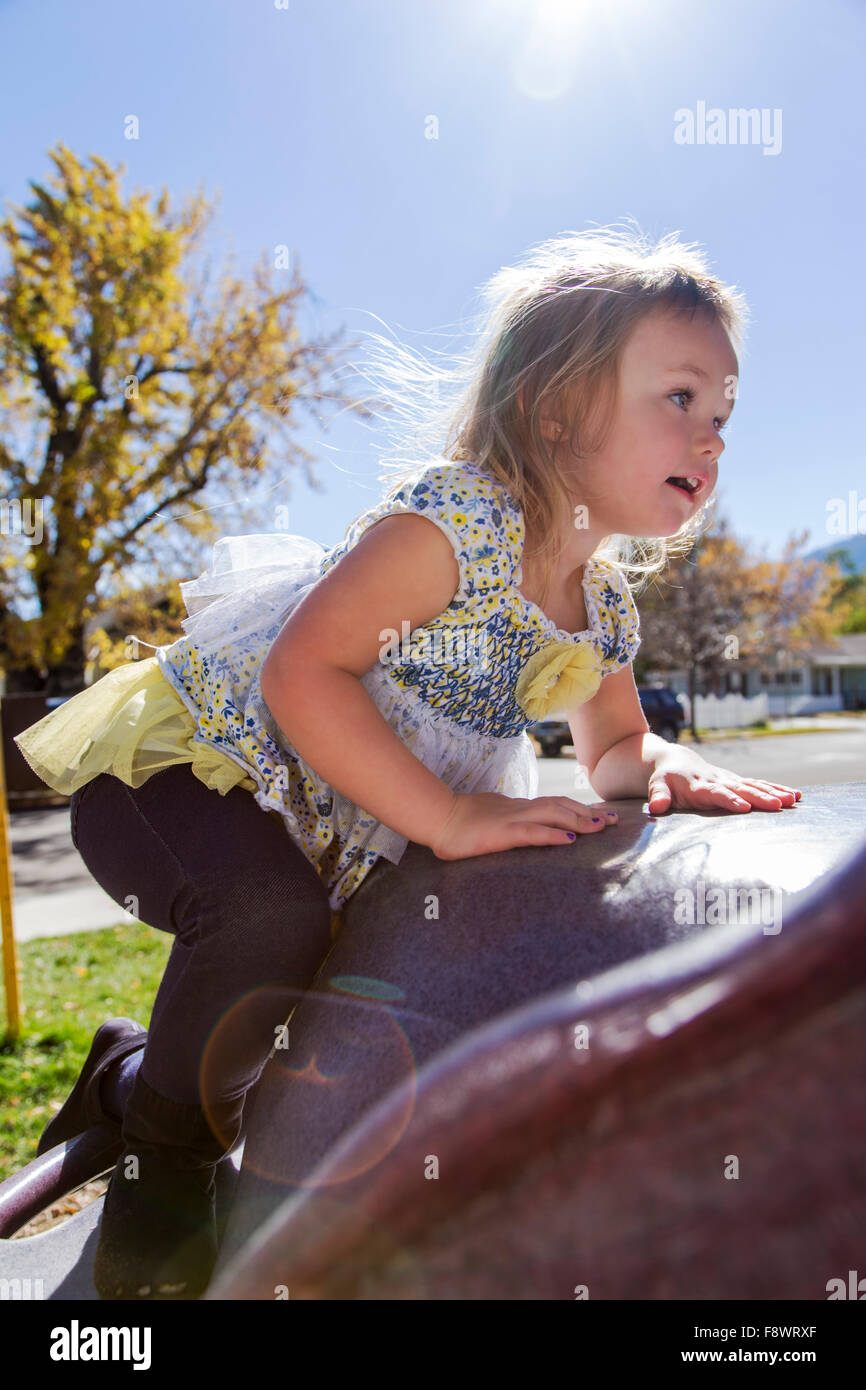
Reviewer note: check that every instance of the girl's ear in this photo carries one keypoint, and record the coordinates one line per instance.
(551, 428)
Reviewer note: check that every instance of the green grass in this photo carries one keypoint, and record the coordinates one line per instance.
(69, 985)
(760, 729)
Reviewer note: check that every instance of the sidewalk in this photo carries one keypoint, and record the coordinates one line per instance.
(74, 909)
(53, 894)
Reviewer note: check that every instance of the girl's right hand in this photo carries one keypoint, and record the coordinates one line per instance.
(484, 822)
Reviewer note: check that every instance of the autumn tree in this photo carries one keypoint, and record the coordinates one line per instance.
(848, 591)
(132, 393)
(719, 605)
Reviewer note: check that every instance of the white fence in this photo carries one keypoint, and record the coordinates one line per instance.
(734, 711)
(728, 711)
(804, 704)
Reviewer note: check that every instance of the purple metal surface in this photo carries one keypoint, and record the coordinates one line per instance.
(433, 1130)
(707, 1141)
(53, 1174)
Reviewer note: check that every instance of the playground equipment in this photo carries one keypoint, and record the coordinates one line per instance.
(626, 1068)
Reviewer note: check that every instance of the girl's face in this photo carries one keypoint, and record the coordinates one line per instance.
(666, 424)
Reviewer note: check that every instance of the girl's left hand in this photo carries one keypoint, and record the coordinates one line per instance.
(683, 778)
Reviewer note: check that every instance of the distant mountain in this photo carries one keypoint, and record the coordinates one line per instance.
(855, 546)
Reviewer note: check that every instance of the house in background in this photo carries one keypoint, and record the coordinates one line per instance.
(829, 677)
(834, 677)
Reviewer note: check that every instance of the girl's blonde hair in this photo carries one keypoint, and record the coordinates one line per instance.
(553, 328)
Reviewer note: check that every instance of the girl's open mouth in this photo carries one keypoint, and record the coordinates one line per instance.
(685, 485)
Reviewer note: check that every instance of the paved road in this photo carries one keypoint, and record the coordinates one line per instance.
(54, 893)
(796, 760)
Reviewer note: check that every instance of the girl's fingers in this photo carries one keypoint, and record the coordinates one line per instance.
(557, 806)
(778, 787)
(745, 795)
(537, 833)
(553, 824)
(769, 790)
(533, 833)
(748, 792)
(582, 824)
(569, 814)
(739, 800)
(741, 794)
(715, 795)
(759, 784)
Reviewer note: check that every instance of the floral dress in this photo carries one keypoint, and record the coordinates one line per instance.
(460, 691)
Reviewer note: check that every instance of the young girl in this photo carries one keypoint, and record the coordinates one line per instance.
(380, 692)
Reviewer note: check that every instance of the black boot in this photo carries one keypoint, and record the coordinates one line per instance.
(157, 1236)
(84, 1107)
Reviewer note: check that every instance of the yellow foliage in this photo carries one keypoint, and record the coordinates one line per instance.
(156, 398)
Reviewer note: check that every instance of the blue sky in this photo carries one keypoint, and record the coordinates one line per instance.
(308, 123)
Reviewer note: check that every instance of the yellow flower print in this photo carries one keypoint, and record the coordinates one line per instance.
(561, 676)
(459, 519)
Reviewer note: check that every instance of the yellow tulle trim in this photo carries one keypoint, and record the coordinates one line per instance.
(560, 677)
(131, 723)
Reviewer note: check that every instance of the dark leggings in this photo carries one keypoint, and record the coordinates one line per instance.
(248, 912)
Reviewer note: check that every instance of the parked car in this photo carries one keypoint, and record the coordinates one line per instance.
(664, 713)
(662, 709)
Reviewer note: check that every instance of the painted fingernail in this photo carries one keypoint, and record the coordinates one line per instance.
(611, 815)
(596, 820)
(572, 835)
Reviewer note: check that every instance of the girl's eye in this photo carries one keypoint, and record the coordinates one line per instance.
(690, 395)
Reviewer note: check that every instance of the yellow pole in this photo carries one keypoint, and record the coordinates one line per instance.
(10, 958)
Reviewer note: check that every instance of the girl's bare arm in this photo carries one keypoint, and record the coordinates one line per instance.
(403, 568)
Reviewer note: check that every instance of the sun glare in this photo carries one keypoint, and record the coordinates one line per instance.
(555, 43)
(546, 63)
